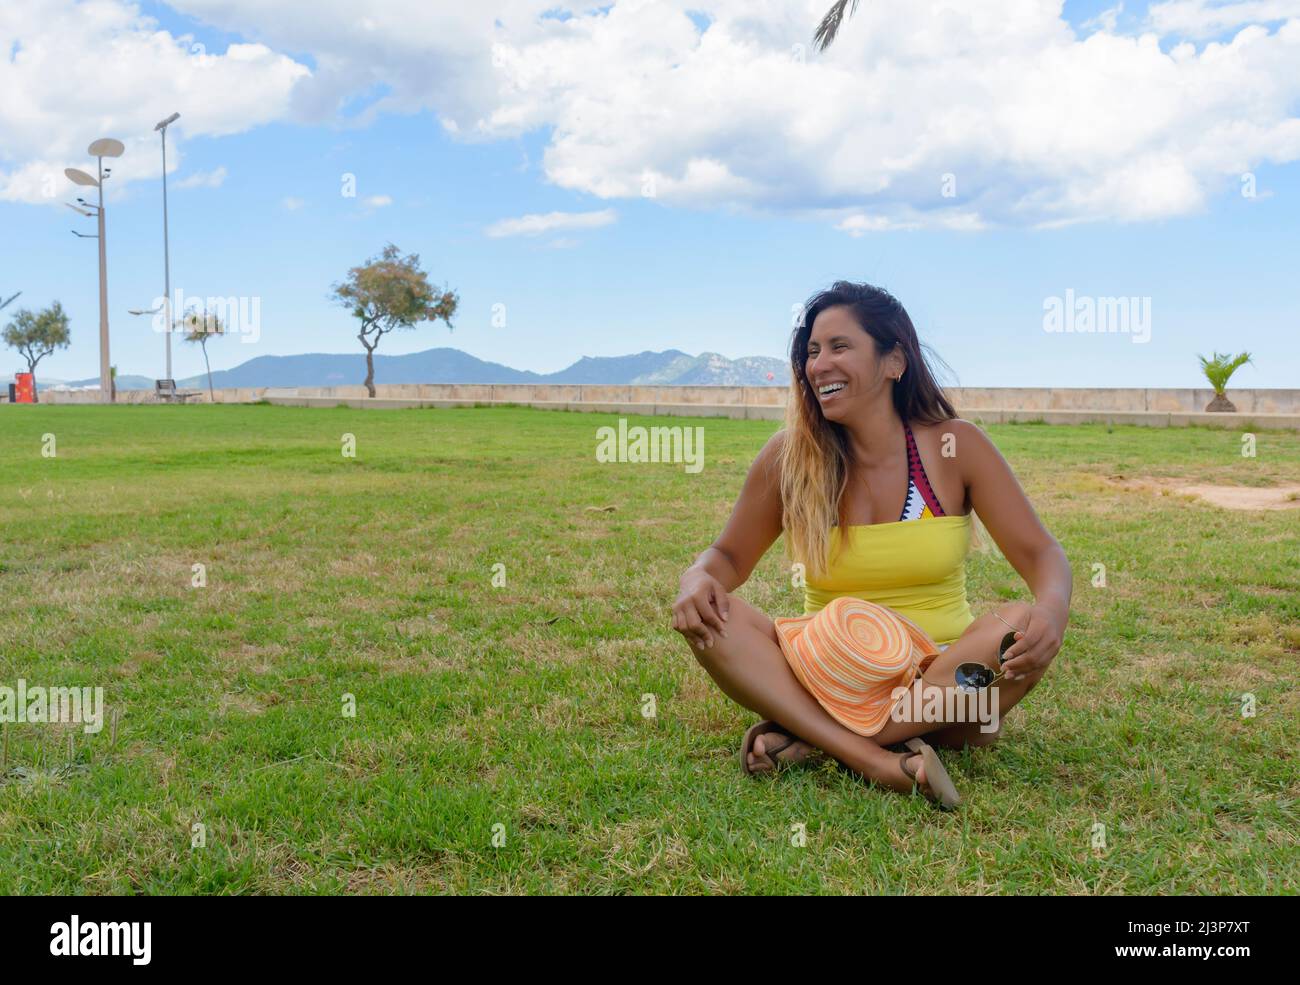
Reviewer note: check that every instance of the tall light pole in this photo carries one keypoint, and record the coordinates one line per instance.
(100, 149)
(167, 267)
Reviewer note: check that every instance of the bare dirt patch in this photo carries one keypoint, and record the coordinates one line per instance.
(1247, 497)
(1227, 497)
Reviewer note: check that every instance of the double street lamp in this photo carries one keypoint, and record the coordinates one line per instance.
(100, 149)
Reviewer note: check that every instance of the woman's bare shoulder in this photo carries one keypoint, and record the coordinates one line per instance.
(961, 430)
(769, 456)
(955, 424)
(969, 448)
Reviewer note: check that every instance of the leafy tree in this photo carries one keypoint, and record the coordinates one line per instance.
(199, 328)
(387, 292)
(36, 335)
(1218, 371)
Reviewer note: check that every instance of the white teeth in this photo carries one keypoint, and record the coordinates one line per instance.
(830, 388)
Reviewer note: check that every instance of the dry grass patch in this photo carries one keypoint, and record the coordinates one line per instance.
(239, 701)
(389, 879)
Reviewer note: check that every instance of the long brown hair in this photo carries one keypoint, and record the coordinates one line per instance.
(816, 457)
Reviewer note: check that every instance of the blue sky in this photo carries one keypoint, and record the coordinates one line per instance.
(698, 271)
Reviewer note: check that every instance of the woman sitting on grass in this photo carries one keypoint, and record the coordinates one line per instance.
(873, 450)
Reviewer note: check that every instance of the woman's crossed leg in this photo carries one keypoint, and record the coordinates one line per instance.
(749, 667)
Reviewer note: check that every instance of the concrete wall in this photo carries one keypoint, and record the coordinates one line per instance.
(1122, 399)
(767, 401)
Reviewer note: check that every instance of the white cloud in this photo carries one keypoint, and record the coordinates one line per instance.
(203, 179)
(292, 204)
(1106, 20)
(71, 72)
(1037, 124)
(858, 224)
(377, 201)
(1206, 18)
(537, 224)
(428, 56)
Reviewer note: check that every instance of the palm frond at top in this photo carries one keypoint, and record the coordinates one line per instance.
(830, 25)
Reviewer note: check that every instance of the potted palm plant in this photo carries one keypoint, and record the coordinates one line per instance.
(1218, 371)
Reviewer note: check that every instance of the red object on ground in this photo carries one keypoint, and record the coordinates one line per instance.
(26, 389)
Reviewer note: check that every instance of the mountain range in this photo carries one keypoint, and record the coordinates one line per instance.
(445, 365)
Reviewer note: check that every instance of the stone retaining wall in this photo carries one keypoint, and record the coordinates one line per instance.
(1116, 399)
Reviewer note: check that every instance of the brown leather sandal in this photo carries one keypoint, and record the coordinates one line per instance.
(942, 791)
(769, 728)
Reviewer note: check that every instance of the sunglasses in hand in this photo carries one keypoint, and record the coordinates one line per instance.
(972, 677)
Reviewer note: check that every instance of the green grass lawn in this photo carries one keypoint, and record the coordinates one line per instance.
(518, 709)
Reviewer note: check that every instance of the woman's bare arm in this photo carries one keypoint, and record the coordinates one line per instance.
(1038, 557)
(726, 564)
(754, 525)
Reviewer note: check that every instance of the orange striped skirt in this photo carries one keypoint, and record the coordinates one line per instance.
(851, 655)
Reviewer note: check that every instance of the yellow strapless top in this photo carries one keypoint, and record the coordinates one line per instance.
(916, 567)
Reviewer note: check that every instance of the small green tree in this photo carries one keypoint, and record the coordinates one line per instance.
(1218, 371)
(199, 327)
(387, 292)
(36, 335)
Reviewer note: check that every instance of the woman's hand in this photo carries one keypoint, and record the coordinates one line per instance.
(1037, 644)
(701, 608)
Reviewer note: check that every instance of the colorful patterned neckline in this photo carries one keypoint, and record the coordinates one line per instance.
(921, 502)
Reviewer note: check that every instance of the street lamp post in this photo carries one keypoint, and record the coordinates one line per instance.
(167, 269)
(100, 149)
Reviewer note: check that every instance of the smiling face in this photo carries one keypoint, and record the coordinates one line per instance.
(843, 368)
